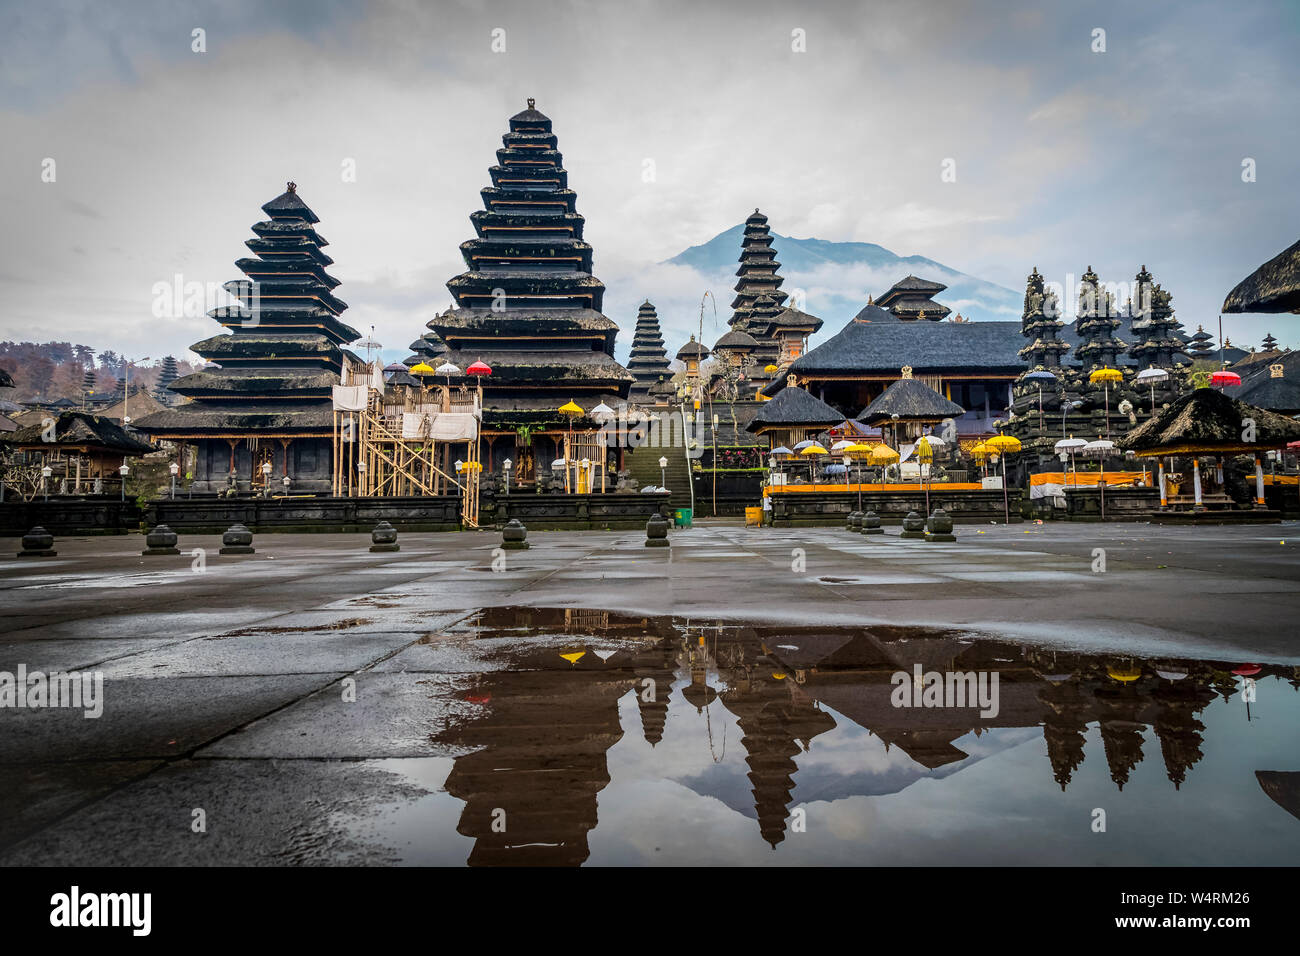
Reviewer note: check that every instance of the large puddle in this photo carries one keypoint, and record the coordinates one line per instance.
(591, 737)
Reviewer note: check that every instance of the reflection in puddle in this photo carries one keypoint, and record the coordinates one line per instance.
(698, 741)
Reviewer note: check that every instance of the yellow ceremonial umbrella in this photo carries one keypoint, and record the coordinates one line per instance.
(1106, 375)
(981, 452)
(770, 369)
(883, 455)
(1004, 445)
(570, 410)
(423, 368)
(857, 448)
(810, 452)
(1124, 675)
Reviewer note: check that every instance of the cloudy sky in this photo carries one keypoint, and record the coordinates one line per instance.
(1064, 157)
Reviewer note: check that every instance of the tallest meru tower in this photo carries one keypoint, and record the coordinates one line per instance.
(528, 306)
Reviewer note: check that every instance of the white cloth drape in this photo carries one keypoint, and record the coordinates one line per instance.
(349, 398)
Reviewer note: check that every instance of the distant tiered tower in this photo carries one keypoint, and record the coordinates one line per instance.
(911, 299)
(1159, 343)
(1097, 322)
(649, 358)
(269, 401)
(166, 375)
(1202, 346)
(758, 289)
(528, 305)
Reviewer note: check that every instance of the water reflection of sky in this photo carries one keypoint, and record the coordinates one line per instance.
(578, 770)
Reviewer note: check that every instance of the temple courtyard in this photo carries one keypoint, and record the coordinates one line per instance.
(724, 700)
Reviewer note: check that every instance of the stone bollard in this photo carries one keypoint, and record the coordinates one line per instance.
(656, 531)
(939, 527)
(855, 522)
(161, 540)
(913, 526)
(38, 543)
(237, 540)
(514, 536)
(384, 538)
(848, 520)
(871, 523)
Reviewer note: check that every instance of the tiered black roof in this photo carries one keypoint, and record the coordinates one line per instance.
(1154, 322)
(758, 288)
(1096, 325)
(911, 298)
(285, 346)
(428, 349)
(1039, 324)
(649, 358)
(1202, 344)
(529, 306)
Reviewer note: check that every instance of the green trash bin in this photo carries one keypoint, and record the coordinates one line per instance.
(682, 517)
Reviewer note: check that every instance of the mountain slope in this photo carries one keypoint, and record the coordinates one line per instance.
(838, 276)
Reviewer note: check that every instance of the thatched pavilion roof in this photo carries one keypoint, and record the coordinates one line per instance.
(912, 401)
(81, 430)
(1273, 287)
(1209, 422)
(794, 407)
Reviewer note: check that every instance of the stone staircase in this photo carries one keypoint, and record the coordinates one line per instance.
(643, 463)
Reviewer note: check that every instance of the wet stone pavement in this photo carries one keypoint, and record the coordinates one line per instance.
(733, 699)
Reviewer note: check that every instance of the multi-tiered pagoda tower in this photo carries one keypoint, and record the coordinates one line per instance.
(267, 399)
(649, 358)
(911, 299)
(758, 290)
(528, 306)
(1202, 346)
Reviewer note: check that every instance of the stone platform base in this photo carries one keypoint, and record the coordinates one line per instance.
(1234, 516)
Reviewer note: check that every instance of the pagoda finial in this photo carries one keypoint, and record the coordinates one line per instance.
(531, 102)
(871, 300)
(291, 187)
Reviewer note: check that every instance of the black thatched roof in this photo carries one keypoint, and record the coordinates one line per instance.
(692, 349)
(251, 418)
(1207, 421)
(910, 400)
(6, 380)
(736, 339)
(1259, 388)
(878, 342)
(82, 428)
(1273, 287)
(795, 408)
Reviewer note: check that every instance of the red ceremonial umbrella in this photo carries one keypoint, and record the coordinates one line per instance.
(1225, 378)
(1246, 670)
(479, 368)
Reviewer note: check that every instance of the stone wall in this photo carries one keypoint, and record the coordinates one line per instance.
(67, 516)
(832, 507)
